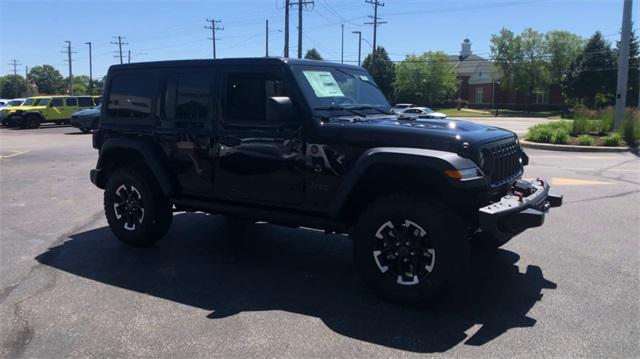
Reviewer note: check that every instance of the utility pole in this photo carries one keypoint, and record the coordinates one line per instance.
(90, 69)
(342, 45)
(623, 64)
(359, 44)
(129, 57)
(15, 65)
(69, 52)
(213, 27)
(119, 43)
(376, 22)
(301, 4)
(266, 41)
(26, 71)
(286, 28)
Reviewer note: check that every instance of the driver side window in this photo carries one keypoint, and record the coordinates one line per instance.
(247, 95)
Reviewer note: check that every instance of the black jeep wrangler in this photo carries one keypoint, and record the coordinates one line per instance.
(310, 144)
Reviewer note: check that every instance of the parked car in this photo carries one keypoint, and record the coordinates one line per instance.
(421, 112)
(86, 120)
(39, 109)
(12, 102)
(399, 107)
(312, 144)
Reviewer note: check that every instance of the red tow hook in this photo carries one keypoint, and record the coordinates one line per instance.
(520, 195)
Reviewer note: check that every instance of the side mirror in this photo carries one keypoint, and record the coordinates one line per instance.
(280, 109)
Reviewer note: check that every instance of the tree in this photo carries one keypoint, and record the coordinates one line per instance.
(591, 78)
(313, 54)
(13, 86)
(426, 79)
(531, 73)
(562, 48)
(506, 52)
(47, 79)
(80, 85)
(382, 70)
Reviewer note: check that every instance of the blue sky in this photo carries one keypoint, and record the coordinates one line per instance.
(34, 31)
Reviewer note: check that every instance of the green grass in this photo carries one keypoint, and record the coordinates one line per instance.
(454, 112)
(612, 140)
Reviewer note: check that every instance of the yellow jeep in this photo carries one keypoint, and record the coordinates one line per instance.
(39, 109)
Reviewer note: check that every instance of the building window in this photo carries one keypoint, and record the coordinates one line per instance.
(479, 94)
(542, 96)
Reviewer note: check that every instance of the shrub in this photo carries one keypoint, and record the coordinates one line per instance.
(631, 127)
(560, 136)
(585, 140)
(552, 132)
(613, 139)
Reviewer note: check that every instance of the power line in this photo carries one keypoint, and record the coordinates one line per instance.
(119, 43)
(213, 27)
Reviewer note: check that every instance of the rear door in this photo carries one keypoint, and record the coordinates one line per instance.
(257, 160)
(186, 128)
(71, 106)
(55, 109)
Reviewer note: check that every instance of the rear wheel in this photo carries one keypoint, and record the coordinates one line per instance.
(408, 248)
(137, 212)
(85, 130)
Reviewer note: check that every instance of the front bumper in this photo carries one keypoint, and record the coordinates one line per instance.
(515, 212)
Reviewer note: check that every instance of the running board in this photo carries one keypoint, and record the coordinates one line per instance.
(274, 216)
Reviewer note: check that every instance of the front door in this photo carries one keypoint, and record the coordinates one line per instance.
(259, 160)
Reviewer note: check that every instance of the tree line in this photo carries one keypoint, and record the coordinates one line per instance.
(584, 69)
(45, 80)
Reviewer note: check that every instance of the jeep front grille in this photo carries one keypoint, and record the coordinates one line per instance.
(502, 161)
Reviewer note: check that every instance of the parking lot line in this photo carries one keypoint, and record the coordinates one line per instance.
(13, 154)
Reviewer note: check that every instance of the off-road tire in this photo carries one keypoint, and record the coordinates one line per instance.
(444, 232)
(157, 215)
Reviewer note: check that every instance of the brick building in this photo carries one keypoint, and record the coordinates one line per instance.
(479, 84)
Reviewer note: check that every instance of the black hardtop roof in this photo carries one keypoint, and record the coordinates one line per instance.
(229, 62)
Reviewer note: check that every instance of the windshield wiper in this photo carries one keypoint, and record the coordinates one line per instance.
(340, 108)
(369, 107)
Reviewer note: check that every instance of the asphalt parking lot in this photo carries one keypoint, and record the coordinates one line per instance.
(213, 288)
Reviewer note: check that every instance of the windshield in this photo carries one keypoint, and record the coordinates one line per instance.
(333, 87)
(42, 101)
(29, 102)
(14, 103)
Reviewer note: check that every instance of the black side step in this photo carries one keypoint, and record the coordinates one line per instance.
(274, 216)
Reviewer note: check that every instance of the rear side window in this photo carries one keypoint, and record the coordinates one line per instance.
(131, 96)
(72, 102)
(188, 100)
(85, 102)
(56, 102)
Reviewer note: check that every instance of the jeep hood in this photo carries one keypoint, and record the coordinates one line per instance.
(437, 134)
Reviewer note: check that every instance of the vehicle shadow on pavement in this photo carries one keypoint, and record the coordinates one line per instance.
(219, 265)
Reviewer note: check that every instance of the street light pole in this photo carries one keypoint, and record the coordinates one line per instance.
(90, 69)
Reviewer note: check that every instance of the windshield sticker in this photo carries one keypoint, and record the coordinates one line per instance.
(364, 78)
(323, 83)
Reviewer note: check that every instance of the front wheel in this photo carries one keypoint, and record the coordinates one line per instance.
(408, 248)
(137, 212)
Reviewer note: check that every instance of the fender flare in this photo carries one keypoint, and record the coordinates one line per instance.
(439, 161)
(152, 158)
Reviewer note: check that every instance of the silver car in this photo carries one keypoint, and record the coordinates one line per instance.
(421, 112)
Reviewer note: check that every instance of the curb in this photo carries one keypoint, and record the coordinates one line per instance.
(571, 148)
